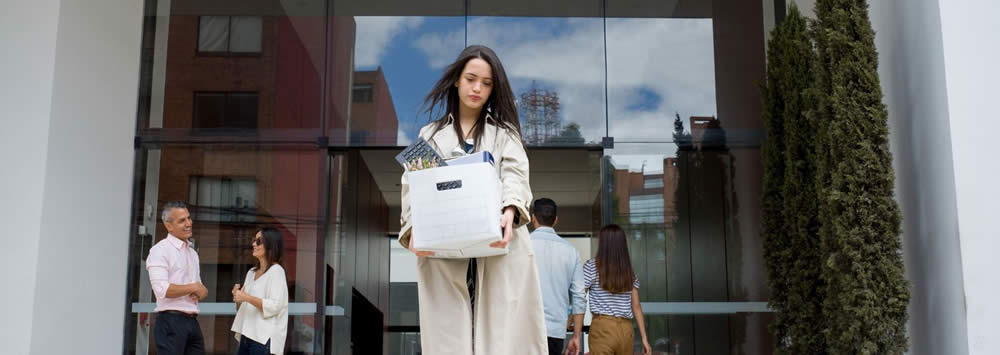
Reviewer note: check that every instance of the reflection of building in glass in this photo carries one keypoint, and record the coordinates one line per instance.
(651, 198)
(236, 74)
(266, 75)
(680, 219)
(373, 115)
(231, 73)
(539, 110)
(647, 198)
(706, 132)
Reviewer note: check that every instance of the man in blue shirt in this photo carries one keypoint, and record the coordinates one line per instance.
(560, 273)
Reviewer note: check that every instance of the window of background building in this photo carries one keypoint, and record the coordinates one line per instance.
(230, 34)
(646, 209)
(653, 183)
(223, 199)
(213, 110)
(363, 93)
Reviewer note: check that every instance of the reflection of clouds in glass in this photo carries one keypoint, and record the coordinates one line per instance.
(401, 138)
(673, 59)
(655, 67)
(374, 35)
(642, 99)
(564, 55)
(552, 50)
(632, 156)
(440, 47)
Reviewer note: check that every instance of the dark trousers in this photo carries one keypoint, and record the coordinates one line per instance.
(250, 347)
(556, 346)
(178, 334)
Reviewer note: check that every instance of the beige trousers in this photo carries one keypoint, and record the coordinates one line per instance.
(610, 335)
(508, 318)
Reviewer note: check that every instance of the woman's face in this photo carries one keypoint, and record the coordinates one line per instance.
(476, 84)
(258, 246)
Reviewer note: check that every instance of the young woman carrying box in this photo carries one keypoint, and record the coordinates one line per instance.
(480, 115)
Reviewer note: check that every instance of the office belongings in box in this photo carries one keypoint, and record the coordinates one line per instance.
(419, 155)
(455, 209)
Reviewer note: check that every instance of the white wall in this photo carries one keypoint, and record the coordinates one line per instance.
(69, 94)
(971, 54)
(908, 38)
(28, 35)
(83, 244)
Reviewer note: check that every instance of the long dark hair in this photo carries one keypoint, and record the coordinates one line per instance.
(500, 105)
(614, 268)
(273, 245)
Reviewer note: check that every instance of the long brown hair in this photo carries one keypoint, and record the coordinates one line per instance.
(614, 268)
(500, 106)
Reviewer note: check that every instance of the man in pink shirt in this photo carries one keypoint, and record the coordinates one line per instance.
(176, 279)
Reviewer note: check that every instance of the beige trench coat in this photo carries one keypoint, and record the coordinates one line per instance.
(508, 316)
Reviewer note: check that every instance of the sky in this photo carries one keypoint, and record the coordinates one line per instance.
(654, 68)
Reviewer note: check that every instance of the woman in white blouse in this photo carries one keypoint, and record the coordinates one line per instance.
(261, 322)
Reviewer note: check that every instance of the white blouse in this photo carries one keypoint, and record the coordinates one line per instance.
(271, 323)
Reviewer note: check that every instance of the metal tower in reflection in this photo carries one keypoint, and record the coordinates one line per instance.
(539, 114)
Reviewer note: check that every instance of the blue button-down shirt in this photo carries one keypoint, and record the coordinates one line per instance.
(560, 273)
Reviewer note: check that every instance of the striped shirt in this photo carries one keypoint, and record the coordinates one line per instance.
(604, 302)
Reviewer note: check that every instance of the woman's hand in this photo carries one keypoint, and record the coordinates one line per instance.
(507, 223)
(238, 295)
(646, 349)
(418, 252)
(573, 347)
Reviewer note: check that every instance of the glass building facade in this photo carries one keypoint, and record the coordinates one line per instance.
(288, 113)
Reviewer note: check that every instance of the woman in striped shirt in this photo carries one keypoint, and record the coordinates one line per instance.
(614, 296)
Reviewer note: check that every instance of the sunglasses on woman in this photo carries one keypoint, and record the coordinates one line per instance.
(258, 241)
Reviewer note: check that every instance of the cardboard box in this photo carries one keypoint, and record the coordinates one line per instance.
(455, 210)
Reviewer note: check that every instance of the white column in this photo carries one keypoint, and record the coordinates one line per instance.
(69, 103)
(971, 54)
(28, 36)
(912, 73)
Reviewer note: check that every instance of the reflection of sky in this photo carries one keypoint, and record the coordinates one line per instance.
(636, 157)
(655, 67)
(565, 55)
(395, 44)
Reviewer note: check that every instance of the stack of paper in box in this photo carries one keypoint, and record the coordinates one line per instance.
(455, 209)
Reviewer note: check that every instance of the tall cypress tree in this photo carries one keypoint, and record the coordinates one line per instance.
(792, 247)
(866, 294)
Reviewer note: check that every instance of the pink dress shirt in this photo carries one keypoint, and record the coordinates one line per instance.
(172, 261)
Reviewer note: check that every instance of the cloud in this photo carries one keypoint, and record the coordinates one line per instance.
(401, 139)
(552, 50)
(673, 58)
(564, 55)
(374, 33)
(440, 48)
(669, 59)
